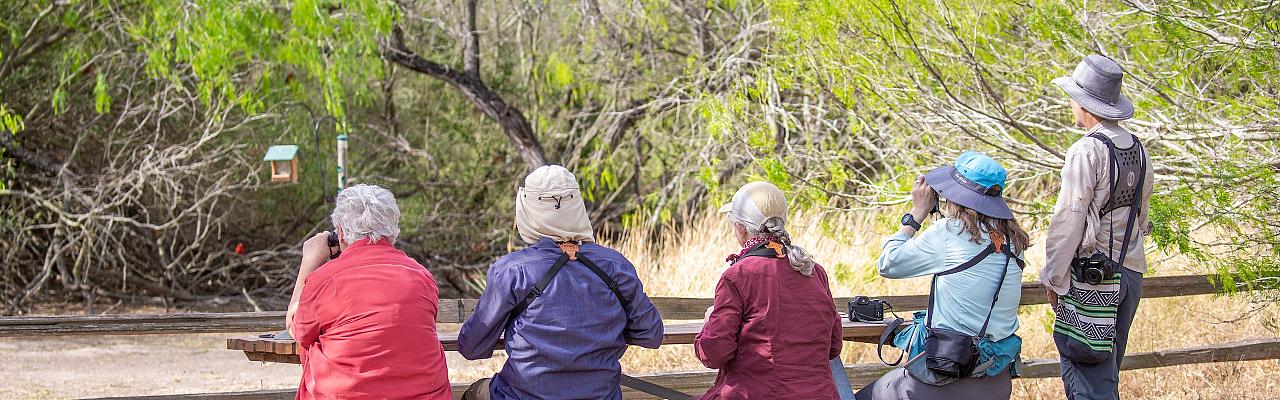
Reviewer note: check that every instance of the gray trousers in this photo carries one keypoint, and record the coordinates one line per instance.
(898, 384)
(1102, 380)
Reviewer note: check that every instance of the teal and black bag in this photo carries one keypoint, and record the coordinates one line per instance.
(1085, 326)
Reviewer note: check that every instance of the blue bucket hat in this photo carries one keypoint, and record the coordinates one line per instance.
(975, 181)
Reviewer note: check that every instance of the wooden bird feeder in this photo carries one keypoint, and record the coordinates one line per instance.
(284, 163)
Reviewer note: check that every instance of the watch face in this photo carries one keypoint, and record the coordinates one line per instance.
(906, 219)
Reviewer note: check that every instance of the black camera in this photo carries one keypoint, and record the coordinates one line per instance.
(1095, 268)
(333, 245)
(866, 309)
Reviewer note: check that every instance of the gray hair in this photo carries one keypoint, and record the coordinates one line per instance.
(366, 211)
(774, 227)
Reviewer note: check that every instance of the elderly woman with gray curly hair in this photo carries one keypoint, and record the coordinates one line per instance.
(773, 327)
(366, 319)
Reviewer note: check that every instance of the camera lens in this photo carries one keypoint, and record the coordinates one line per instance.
(1093, 276)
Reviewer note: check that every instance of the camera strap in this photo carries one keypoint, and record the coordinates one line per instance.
(889, 330)
(570, 252)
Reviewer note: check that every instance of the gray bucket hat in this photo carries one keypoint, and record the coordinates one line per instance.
(1096, 84)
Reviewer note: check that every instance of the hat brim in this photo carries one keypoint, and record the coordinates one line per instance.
(726, 207)
(1122, 110)
(942, 180)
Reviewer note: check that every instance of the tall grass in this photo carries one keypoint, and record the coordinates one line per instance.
(688, 263)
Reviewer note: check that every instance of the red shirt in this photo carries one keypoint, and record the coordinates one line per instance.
(366, 323)
(772, 333)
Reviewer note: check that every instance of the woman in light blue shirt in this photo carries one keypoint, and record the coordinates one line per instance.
(976, 248)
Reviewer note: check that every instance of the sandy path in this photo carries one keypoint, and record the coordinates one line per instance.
(61, 367)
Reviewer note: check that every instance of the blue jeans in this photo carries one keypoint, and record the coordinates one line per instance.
(1102, 380)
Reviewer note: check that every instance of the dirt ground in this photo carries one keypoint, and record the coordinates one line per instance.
(62, 367)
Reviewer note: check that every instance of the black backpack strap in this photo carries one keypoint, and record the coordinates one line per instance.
(613, 285)
(1135, 206)
(537, 288)
(884, 338)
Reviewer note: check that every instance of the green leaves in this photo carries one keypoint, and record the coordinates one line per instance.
(101, 100)
(243, 51)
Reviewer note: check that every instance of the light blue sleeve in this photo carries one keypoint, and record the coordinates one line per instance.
(903, 256)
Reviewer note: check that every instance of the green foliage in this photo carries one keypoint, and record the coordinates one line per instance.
(331, 45)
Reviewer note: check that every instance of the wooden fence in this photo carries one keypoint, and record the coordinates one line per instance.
(454, 311)
(671, 308)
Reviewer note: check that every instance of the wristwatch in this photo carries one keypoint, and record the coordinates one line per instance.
(910, 220)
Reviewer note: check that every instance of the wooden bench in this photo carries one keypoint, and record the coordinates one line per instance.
(286, 351)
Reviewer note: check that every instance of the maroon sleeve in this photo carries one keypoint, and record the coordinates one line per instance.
(718, 341)
(837, 330)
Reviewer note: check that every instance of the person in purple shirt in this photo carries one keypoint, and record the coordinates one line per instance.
(564, 343)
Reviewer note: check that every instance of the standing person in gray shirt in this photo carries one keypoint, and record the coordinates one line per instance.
(1099, 223)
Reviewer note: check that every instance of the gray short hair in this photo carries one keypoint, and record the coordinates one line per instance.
(366, 211)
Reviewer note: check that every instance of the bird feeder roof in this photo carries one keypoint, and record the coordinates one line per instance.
(284, 152)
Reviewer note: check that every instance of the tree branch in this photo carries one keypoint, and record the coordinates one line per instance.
(471, 49)
(511, 119)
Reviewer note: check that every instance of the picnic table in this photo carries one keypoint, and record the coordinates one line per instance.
(268, 349)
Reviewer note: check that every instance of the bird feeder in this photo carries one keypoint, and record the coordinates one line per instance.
(284, 163)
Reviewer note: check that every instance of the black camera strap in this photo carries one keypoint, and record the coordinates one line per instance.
(889, 330)
(541, 286)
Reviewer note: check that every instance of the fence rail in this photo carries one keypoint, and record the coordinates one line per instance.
(457, 311)
(862, 374)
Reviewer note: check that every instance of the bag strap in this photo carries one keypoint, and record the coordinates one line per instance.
(884, 337)
(996, 297)
(998, 245)
(933, 288)
(570, 252)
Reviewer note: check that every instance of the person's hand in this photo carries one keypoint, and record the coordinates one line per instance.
(315, 251)
(923, 199)
(1053, 299)
(707, 315)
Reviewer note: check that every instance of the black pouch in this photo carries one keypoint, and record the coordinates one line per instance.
(953, 353)
(950, 353)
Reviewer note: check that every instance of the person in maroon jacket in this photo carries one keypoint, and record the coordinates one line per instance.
(773, 327)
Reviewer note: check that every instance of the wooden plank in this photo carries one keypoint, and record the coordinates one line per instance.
(863, 374)
(270, 394)
(457, 310)
(697, 382)
(673, 334)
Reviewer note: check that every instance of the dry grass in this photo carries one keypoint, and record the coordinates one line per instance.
(688, 263)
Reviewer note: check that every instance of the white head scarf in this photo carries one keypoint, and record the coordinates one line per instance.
(762, 208)
(550, 205)
(756, 202)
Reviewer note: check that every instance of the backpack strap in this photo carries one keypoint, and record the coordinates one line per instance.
(570, 252)
(604, 277)
(933, 288)
(539, 287)
(1134, 205)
